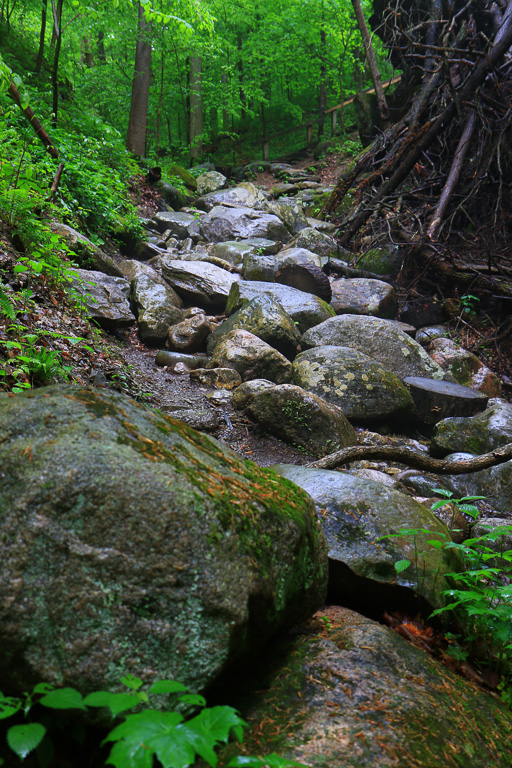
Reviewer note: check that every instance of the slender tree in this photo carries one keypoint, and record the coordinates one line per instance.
(137, 123)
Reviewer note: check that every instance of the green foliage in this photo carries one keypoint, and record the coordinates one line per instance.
(174, 739)
(480, 600)
(469, 304)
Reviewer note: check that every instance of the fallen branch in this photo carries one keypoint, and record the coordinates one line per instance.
(414, 459)
(32, 119)
(56, 182)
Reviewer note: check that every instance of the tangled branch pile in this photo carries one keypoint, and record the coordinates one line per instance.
(446, 165)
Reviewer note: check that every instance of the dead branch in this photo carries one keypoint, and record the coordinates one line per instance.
(414, 459)
(32, 119)
(56, 182)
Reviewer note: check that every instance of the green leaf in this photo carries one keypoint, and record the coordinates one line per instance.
(218, 721)
(167, 686)
(8, 706)
(132, 682)
(116, 702)
(143, 725)
(195, 699)
(63, 698)
(127, 754)
(22, 739)
(443, 492)
(401, 565)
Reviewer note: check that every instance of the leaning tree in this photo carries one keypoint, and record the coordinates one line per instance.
(442, 172)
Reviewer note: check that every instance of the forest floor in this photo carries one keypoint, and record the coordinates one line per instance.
(122, 362)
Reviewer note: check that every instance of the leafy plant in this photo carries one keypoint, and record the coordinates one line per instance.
(173, 738)
(469, 304)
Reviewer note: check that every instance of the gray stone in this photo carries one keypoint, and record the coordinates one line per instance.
(361, 296)
(302, 419)
(434, 400)
(425, 335)
(172, 359)
(305, 309)
(223, 223)
(266, 319)
(146, 250)
(155, 308)
(88, 255)
(126, 546)
(244, 394)
(245, 195)
(210, 181)
(478, 434)
(172, 195)
(221, 378)
(360, 386)
(106, 298)
(464, 366)
(189, 335)
(199, 282)
(380, 339)
(259, 267)
(176, 224)
(251, 357)
(385, 260)
(355, 513)
(291, 214)
(315, 241)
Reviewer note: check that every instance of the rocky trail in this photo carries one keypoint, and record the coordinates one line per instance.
(173, 557)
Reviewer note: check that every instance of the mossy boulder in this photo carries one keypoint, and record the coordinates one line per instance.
(348, 692)
(132, 543)
(185, 176)
(360, 386)
(477, 434)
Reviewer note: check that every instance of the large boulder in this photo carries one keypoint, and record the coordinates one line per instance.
(362, 296)
(383, 340)
(199, 282)
(359, 385)
(265, 318)
(177, 224)
(291, 214)
(464, 366)
(131, 543)
(223, 223)
(155, 308)
(305, 309)
(246, 195)
(88, 255)
(302, 419)
(348, 692)
(318, 242)
(210, 181)
(106, 298)
(355, 513)
(477, 434)
(251, 357)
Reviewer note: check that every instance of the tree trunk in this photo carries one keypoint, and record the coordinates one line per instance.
(241, 76)
(57, 12)
(225, 113)
(196, 109)
(102, 56)
(137, 123)
(42, 32)
(372, 62)
(34, 122)
(57, 30)
(322, 94)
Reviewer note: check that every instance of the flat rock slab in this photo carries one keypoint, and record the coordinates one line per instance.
(131, 542)
(177, 223)
(251, 357)
(305, 309)
(436, 400)
(201, 283)
(351, 693)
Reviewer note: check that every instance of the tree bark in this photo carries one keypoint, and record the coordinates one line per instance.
(42, 32)
(372, 62)
(414, 459)
(196, 108)
(34, 122)
(137, 123)
(57, 30)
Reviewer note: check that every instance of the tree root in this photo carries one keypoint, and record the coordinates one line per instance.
(414, 459)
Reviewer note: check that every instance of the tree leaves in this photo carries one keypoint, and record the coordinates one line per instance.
(22, 739)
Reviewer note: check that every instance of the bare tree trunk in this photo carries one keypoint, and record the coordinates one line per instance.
(160, 103)
(102, 56)
(42, 32)
(196, 108)
(137, 123)
(372, 62)
(225, 113)
(322, 95)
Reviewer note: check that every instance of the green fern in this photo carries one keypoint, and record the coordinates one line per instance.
(6, 307)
